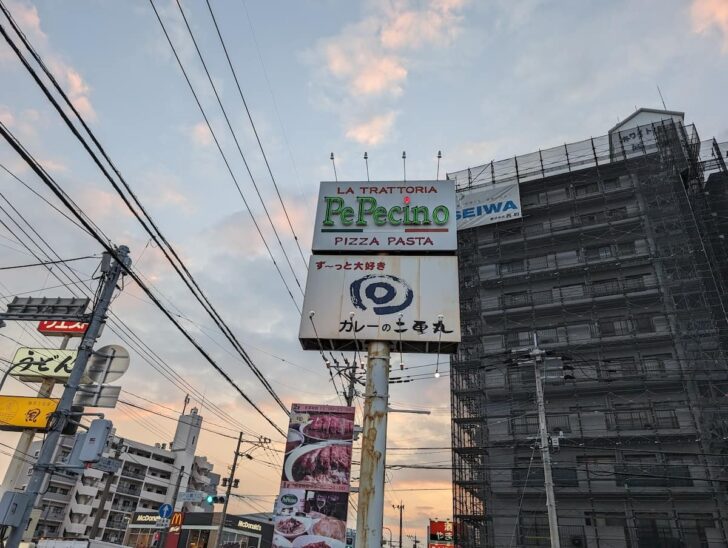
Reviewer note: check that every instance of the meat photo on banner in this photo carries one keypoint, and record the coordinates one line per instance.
(311, 508)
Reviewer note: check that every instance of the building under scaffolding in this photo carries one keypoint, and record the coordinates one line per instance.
(620, 265)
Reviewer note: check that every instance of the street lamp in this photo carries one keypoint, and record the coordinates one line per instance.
(390, 535)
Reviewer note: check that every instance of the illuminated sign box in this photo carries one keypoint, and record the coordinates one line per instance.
(36, 364)
(410, 301)
(55, 328)
(406, 217)
(19, 412)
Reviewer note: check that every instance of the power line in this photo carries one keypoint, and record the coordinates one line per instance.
(255, 131)
(189, 279)
(117, 324)
(62, 261)
(30, 160)
(225, 160)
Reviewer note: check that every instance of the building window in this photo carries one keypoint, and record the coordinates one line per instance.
(512, 267)
(653, 530)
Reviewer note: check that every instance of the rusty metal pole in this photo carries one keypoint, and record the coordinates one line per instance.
(370, 515)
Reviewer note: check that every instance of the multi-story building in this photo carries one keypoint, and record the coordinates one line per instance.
(146, 479)
(618, 264)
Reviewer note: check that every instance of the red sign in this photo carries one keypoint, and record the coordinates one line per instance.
(175, 530)
(441, 534)
(56, 328)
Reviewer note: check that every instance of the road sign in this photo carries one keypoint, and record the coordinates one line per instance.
(60, 328)
(162, 523)
(165, 511)
(108, 363)
(36, 364)
(106, 464)
(19, 412)
(44, 308)
(97, 395)
(192, 496)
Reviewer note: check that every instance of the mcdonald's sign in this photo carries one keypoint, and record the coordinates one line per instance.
(175, 529)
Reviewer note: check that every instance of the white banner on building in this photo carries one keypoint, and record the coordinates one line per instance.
(487, 205)
(401, 298)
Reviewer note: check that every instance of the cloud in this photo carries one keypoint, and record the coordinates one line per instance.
(200, 134)
(707, 14)
(71, 81)
(367, 64)
(437, 23)
(373, 131)
(6, 117)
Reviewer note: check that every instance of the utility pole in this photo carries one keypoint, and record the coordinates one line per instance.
(399, 507)
(352, 383)
(26, 438)
(105, 494)
(165, 530)
(218, 542)
(374, 444)
(537, 355)
(111, 271)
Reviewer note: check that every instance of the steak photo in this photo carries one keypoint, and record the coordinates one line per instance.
(329, 427)
(329, 464)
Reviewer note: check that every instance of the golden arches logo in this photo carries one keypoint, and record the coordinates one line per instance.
(176, 519)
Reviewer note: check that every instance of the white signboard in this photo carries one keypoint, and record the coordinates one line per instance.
(36, 364)
(192, 496)
(404, 299)
(407, 217)
(487, 205)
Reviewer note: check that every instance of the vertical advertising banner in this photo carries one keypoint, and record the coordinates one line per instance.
(311, 508)
(441, 534)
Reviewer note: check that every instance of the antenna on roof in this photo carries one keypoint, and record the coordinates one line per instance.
(661, 98)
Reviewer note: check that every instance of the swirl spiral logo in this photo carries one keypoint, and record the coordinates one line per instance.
(383, 293)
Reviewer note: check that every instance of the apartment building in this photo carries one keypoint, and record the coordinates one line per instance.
(618, 265)
(146, 479)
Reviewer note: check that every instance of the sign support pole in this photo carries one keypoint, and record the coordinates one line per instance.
(109, 279)
(27, 436)
(175, 494)
(370, 515)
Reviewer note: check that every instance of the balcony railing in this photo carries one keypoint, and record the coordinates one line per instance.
(653, 475)
(552, 296)
(644, 419)
(538, 535)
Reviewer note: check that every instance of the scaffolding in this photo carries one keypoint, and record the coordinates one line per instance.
(620, 265)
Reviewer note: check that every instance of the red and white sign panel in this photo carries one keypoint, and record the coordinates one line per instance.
(53, 328)
(441, 534)
(312, 505)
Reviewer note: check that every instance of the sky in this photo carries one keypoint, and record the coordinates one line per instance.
(477, 80)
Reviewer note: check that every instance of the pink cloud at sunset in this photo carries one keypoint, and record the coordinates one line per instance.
(709, 15)
(372, 131)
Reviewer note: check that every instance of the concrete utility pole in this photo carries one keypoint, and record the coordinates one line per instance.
(111, 271)
(399, 507)
(175, 493)
(218, 542)
(105, 494)
(537, 355)
(26, 438)
(370, 516)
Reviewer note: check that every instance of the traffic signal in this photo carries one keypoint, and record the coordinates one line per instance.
(215, 499)
(224, 482)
